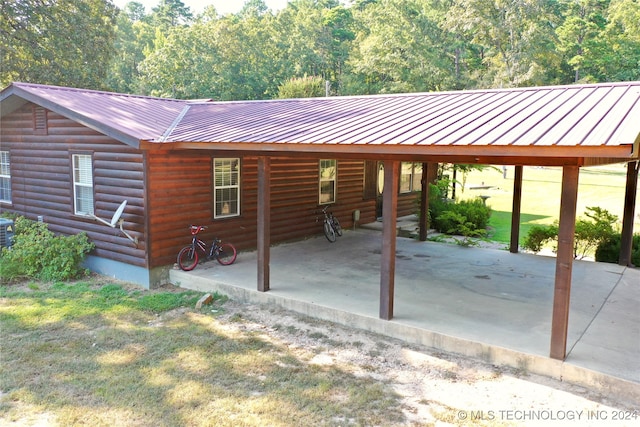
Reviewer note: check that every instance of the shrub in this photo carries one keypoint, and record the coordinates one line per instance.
(589, 233)
(540, 235)
(467, 218)
(608, 250)
(38, 253)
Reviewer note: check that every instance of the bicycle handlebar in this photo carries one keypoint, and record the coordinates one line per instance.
(195, 229)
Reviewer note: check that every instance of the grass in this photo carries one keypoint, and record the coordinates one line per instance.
(602, 186)
(95, 353)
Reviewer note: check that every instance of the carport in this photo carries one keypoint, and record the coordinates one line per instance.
(566, 126)
(484, 303)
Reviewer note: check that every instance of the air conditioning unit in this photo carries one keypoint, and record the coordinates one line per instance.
(6, 232)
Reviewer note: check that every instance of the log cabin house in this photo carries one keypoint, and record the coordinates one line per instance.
(74, 153)
(256, 171)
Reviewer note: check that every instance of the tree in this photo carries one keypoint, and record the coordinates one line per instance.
(133, 38)
(400, 47)
(514, 39)
(182, 65)
(60, 42)
(579, 35)
(135, 11)
(314, 37)
(225, 58)
(302, 87)
(171, 13)
(621, 60)
(254, 8)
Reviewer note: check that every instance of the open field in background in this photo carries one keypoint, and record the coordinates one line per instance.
(602, 186)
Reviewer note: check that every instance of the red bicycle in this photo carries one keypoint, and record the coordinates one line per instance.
(188, 257)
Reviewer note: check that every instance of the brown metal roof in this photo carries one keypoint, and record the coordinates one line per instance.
(578, 121)
(598, 115)
(128, 118)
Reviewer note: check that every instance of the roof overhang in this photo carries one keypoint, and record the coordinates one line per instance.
(15, 97)
(576, 124)
(123, 117)
(510, 155)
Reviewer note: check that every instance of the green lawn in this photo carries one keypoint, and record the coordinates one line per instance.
(100, 354)
(602, 186)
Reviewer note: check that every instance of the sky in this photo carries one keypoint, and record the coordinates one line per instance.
(222, 6)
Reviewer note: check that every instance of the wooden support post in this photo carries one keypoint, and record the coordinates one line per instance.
(564, 262)
(424, 203)
(389, 222)
(626, 244)
(429, 176)
(264, 222)
(515, 210)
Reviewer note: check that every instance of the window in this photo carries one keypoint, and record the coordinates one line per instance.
(83, 184)
(226, 182)
(328, 174)
(410, 177)
(5, 177)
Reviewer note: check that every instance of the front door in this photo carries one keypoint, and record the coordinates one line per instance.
(374, 183)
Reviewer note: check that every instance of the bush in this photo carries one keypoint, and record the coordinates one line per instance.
(609, 249)
(39, 254)
(467, 218)
(540, 235)
(589, 233)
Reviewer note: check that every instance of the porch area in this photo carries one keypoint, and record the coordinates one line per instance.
(488, 304)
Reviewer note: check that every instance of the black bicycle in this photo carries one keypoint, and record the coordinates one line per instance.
(331, 225)
(188, 257)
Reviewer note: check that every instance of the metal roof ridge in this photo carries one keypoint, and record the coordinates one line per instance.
(167, 133)
(25, 86)
(419, 94)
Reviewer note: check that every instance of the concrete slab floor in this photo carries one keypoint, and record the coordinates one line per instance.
(485, 303)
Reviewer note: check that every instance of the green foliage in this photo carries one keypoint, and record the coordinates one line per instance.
(539, 235)
(74, 300)
(590, 233)
(402, 47)
(303, 87)
(599, 226)
(67, 43)
(467, 218)
(508, 43)
(370, 46)
(608, 250)
(39, 253)
(170, 13)
(157, 303)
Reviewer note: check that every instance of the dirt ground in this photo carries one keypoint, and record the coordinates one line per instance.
(436, 388)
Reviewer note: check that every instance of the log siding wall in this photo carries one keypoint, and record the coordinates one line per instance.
(166, 191)
(42, 181)
(181, 194)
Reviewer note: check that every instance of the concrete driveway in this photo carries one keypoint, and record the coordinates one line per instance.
(484, 303)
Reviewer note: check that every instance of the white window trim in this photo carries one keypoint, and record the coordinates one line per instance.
(77, 184)
(236, 186)
(6, 165)
(334, 180)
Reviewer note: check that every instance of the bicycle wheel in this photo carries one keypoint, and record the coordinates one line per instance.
(336, 226)
(329, 231)
(226, 254)
(187, 258)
